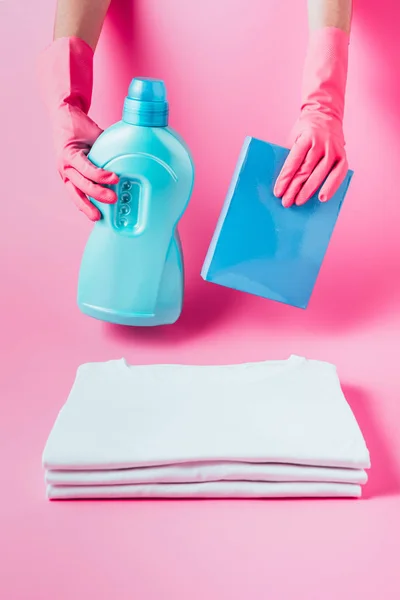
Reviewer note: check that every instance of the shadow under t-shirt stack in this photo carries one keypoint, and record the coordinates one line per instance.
(272, 429)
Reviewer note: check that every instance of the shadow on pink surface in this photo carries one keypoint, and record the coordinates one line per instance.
(344, 299)
(384, 475)
(204, 307)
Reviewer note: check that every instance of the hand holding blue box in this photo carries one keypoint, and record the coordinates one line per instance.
(261, 248)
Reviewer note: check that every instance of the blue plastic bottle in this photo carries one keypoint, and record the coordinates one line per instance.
(132, 267)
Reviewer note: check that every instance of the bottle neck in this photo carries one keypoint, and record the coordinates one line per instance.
(145, 114)
(146, 104)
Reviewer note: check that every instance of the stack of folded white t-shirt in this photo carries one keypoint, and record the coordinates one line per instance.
(272, 429)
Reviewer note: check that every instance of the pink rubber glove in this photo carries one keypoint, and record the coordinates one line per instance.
(66, 78)
(318, 151)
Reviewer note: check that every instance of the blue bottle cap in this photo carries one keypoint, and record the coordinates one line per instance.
(146, 103)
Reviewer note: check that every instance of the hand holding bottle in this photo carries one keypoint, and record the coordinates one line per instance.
(66, 78)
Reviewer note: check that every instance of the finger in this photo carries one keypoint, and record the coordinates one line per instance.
(82, 202)
(316, 179)
(310, 163)
(83, 165)
(98, 192)
(334, 180)
(292, 164)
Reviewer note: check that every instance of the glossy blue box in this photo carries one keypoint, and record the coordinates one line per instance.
(261, 248)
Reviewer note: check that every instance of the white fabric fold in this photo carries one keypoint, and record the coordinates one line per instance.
(203, 472)
(269, 429)
(216, 489)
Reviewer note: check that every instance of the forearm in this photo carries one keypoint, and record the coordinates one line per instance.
(330, 13)
(80, 18)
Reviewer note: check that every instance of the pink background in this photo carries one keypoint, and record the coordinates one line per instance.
(208, 52)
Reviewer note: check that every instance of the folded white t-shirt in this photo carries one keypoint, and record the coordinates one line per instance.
(283, 412)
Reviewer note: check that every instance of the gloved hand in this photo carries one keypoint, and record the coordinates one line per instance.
(66, 78)
(318, 150)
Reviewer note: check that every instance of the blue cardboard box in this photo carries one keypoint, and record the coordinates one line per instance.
(261, 248)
